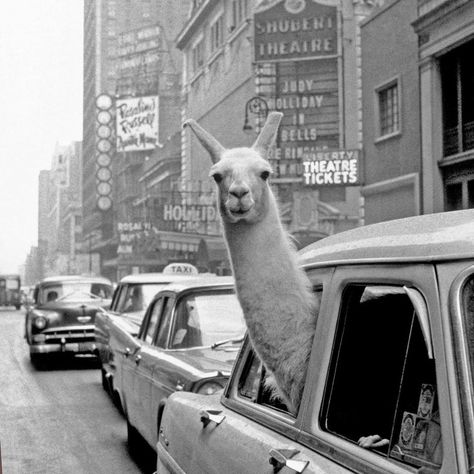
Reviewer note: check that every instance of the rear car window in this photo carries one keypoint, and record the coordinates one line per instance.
(382, 379)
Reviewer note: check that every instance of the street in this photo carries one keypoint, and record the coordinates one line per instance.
(58, 419)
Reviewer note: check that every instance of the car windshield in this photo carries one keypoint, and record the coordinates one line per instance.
(137, 297)
(207, 318)
(74, 291)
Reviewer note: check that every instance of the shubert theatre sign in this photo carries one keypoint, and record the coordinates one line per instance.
(297, 42)
(295, 29)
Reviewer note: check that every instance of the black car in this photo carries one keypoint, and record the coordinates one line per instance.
(61, 318)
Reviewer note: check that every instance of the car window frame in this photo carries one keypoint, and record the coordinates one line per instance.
(167, 313)
(421, 276)
(284, 423)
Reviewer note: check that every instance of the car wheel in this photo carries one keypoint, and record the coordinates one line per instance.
(37, 360)
(105, 383)
(133, 439)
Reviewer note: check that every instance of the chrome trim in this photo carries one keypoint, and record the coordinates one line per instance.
(462, 358)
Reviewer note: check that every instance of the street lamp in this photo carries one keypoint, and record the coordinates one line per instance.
(256, 106)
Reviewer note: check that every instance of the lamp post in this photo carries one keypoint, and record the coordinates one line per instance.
(257, 106)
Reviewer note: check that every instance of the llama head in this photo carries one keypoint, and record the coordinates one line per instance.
(241, 174)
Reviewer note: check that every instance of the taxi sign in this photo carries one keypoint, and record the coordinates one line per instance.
(180, 268)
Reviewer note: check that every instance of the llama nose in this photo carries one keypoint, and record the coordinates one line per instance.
(238, 190)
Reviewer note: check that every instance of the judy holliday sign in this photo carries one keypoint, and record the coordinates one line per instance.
(137, 123)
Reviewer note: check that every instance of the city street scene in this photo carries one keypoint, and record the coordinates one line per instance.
(238, 237)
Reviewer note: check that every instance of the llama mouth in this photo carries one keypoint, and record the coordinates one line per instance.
(238, 212)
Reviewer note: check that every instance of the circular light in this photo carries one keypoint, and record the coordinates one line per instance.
(103, 159)
(103, 101)
(209, 388)
(104, 203)
(104, 131)
(104, 146)
(104, 174)
(40, 322)
(104, 117)
(104, 188)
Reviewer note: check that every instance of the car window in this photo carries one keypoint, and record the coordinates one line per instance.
(165, 323)
(73, 291)
(205, 318)
(468, 310)
(253, 385)
(137, 297)
(382, 381)
(154, 315)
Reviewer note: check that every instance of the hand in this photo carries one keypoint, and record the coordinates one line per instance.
(372, 441)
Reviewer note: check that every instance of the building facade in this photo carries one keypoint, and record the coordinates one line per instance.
(246, 58)
(417, 109)
(131, 113)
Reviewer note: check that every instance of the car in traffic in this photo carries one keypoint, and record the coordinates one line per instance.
(390, 381)
(188, 341)
(124, 317)
(60, 319)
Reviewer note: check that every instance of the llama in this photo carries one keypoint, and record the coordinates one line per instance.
(275, 294)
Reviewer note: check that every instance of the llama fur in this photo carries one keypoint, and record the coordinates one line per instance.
(275, 294)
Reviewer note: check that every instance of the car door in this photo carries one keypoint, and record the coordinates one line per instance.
(379, 398)
(245, 432)
(143, 362)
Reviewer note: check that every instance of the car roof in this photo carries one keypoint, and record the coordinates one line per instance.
(71, 278)
(156, 278)
(204, 282)
(429, 238)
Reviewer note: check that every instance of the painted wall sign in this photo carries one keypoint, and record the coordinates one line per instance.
(332, 168)
(137, 123)
(295, 29)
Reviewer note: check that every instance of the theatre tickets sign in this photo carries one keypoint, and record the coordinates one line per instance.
(137, 123)
(295, 29)
(332, 168)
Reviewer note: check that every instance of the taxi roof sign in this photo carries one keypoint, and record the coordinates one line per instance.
(181, 269)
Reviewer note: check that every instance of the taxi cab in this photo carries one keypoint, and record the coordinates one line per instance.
(390, 380)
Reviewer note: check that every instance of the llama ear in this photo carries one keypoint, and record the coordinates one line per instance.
(214, 148)
(268, 133)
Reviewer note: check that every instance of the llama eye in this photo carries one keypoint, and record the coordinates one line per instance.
(264, 175)
(217, 177)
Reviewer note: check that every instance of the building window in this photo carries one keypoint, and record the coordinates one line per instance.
(459, 193)
(388, 109)
(395, 397)
(198, 55)
(217, 36)
(239, 12)
(457, 70)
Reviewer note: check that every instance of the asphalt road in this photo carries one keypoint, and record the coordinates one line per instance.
(57, 419)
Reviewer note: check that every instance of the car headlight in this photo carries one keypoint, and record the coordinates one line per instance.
(209, 388)
(40, 322)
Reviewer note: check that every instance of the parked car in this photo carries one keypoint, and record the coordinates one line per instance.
(188, 341)
(124, 317)
(61, 317)
(389, 386)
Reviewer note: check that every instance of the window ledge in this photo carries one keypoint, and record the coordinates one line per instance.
(196, 76)
(215, 55)
(389, 136)
(457, 158)
(235, 33)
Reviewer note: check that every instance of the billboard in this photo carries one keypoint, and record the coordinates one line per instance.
(137, 123)
(295, 29)
(332, 168)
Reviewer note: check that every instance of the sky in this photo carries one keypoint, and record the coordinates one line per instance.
(41, 44)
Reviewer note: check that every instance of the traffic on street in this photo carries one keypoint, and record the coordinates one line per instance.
(58, 419)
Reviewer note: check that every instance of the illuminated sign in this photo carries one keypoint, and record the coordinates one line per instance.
(180, 269)
(332, 168)
(137, 123)
(295, 29)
